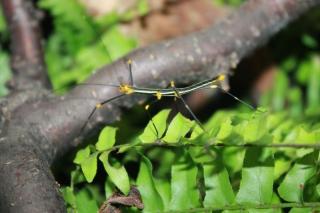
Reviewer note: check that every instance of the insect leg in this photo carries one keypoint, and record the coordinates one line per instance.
(187, 106)
(150, 117)
(98, 106)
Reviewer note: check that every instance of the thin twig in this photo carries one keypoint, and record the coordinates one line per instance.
(247, 145)
(253, 206)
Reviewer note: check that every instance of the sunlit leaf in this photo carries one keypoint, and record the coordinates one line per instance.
(150, 196)
(163, 187)
(225, 129)
(218, 188)
(89, 167)
(196, 131)
(292, 187)
(313, 89)
(233, 158)
(177, 129)
(143, 7)
(81, 155)
(118, 176)
(296, 103)
(117, 43)
(107, 138)
(281, 166)
(150, 134)
(184, 190)
(214, 123)
(280, 91)
(256, 184)
(304, 71)
(300, 210)
(252, 130)
(69, 196)
(85, 203)
(5, 68)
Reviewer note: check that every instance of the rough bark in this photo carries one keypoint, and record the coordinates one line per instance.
(27, 60)
(37, 128)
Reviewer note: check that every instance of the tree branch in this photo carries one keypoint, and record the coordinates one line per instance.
(27, 184)
(27, 59)
(196, 56)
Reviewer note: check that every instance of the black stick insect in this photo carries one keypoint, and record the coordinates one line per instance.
(172, 91)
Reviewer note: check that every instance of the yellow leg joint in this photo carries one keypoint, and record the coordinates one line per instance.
(158, 95)
(125, 89)
(98, 106)
(172, 84)
(221, 77)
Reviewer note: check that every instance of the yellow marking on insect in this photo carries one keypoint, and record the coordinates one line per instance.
(146, 107)
(129, 61)
(221, 77)
(98, 106)
(172, 84)
(125, 89)
(158, 95)
(176, 95)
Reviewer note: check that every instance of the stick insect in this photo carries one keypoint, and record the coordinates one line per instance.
(172, 91)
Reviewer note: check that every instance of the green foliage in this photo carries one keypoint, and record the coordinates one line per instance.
(219, 191)
(256, 186)
(228, 2)
(292, 187)
(3, 27)
(79, 43)
(256, 161)
(146, 185)
(5, 71)
(235, 164)
(118, 175)
(177, 129)
(184, 191)
(201, 176)
(309, 41)
(152, 133)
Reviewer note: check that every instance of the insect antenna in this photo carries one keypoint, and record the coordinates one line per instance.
(233, 96)
(98, 84)
(150, 117)
(129, 62)
(238, 99)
